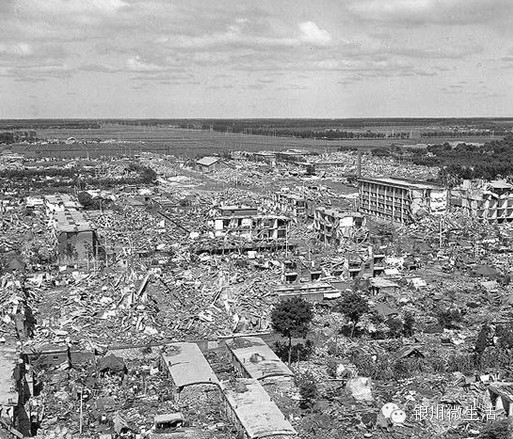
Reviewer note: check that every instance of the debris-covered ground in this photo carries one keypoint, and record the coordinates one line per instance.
(433, 339)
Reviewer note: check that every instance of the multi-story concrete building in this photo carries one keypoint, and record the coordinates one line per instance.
(333, 225)
(398, 200)
(251, 227)
(76, 237)
(488, 201)
(290, 204)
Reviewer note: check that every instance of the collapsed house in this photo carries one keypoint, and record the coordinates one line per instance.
(399, 200)
(76, 237)
(290, 205)
(59, 203)
(491, 201)
(333, 225)
(314, 292)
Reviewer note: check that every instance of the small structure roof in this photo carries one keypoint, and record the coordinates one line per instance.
(71, 221)
(500, 184)
(187, 365)
(66, 199)
(380, 282)
(208, 161)
(257, 413)
(111, 363)
(257, 358)
(169, 417)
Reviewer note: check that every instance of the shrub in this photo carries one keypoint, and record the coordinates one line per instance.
(497, 430)
(408, 325)
(464, 363)
(482, 339)
(401, 369)
(437, 364)
(449, 318)
(396, 327)
(505, 336)
(307, 389)
(299, 350)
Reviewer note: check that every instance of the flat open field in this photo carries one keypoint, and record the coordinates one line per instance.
(129, 140)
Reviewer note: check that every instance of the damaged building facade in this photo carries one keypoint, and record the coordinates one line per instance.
(75, 235)
(399, 200)
(246, 222)
(487, 201)
(290, 205)
(333, 225)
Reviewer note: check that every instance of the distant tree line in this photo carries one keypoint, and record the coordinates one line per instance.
(303, 133)
(46, 124)
(464, 161)
(9, 137)
(37, 178)
(459, 133)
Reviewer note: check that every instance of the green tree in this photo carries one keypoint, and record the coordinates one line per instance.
(291, 318)
(353, 306)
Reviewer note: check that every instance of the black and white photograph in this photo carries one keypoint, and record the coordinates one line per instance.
(274, 219)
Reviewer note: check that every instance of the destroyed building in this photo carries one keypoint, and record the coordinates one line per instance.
(333, 225)
(245, 222)
(399, 200)
(59, 203)
(76, 237)
(290, 205)
(210, 164)
(487, 201)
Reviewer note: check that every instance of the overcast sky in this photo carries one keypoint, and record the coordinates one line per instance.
(265, 58)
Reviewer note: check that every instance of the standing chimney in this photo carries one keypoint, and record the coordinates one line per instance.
(359, 165)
